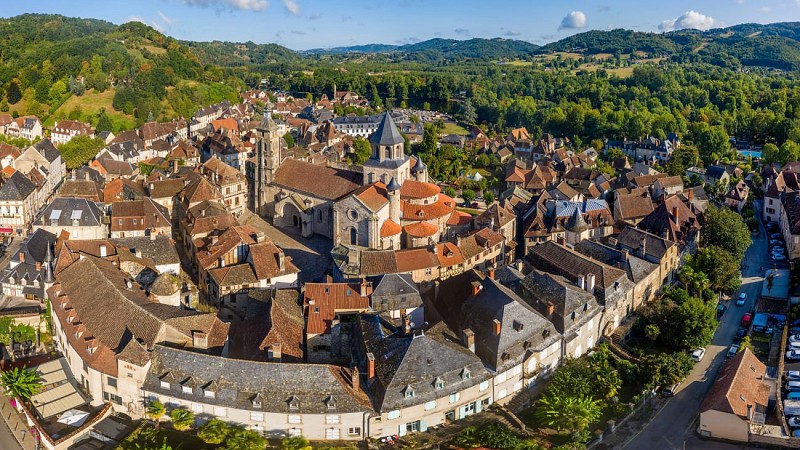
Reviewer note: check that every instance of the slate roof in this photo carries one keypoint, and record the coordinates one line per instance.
(572, 306)
(238, 382)
(65, 211)
(416, 361)
(655, 246)
(35, 246)
(558, 259)
(715, 172)
(328, 183)
(392, 292)
(46, 148)
(16, 188)
(521, 327)
(387, 132)
(160, 249)
(496, 214)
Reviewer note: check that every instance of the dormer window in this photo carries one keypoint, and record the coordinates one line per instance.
(466, 374)
(438, 383)
(294, 403)
(210, 390)
(164, 384)
(257, 401)
(409, 392)
(187, 386)
(330, 403)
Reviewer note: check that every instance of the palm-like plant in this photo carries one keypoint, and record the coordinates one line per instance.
(182, 419)
(213, 432)
(155, 410)
(21, 383)
(243, 439)
(568, 413)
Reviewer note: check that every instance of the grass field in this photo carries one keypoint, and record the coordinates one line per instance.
(454, 128)
(90, 105)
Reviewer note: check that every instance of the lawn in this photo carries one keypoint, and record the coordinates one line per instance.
(90, 105)
(454, 128)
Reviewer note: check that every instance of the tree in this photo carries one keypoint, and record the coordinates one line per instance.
(606, 381)
(468, 195)
(13, 94)
(243, 439)
(652, 331)
(213, 432)
(21, 383)
(468, 114)
(182, 419)
(362, 150)
(289, 140)
(103, 122)
(80, 150)
(720, 266)
(295, 443)
(572, 413)
(57, 91)
(449, 191)
(156, 410)
(746, 343)
(770, 153)
(488, 197)
(665, 369)
(725, 228)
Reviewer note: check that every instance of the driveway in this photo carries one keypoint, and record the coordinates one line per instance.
(672, 427)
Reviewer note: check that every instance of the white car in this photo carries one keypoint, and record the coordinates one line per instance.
(742, 298)
(794, 338)
(793, 375)
(698, 354)
(794, 421)
(793, 355)
(793, 346)
(778, 257)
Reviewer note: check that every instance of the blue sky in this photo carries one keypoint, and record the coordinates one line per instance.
(303, 24)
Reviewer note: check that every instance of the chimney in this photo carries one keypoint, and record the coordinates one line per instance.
(260, 236)
(407, 323)
(354, 378)
(468, 338)
(560, 240)
(643, 246)
(275, 352)
(22, 257)
(370, 366)
(363, 288)
(38, 266)
(675, 215)
(491, 272)
(624, 255)
(476, 288)
(200, 340)
(690, 194)
(551, 308)
(202, 213)
(497, 326)
(281, 261)
(86, 176)
(581, 282)
(590, 283)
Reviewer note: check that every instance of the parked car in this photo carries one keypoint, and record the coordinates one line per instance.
(778, 257)
(740, 333)
(794, 421)
(793, 386)
(672, 390)
(796, 433)
(794, 338)
(793, 345)
(793, 355)
(698, 354)
(780, 250)
(746, 319)
(793, 396)
(721, 310)
(732, 351)
(775, 242)
(776, 236)
(793, 375)
(742, 298)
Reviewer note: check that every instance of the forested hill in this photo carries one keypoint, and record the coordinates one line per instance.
(476, 48)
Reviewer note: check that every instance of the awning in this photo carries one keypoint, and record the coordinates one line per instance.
(74, 417)
(6, 230)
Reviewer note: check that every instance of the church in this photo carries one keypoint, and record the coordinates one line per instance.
(386, 204)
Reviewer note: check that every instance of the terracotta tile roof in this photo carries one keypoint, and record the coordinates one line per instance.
(216, 217)
(633, 206)
(421, 229)
(441, 208)
(415, 259)
(412, 189)
(228, 124)
(662, 221)
(499, 215)
(211, 248)
(265, 257)
(648, 180)
(184, 150)
(165, 188)
(198, 191)
(740, 383)
(273, 316)
(322, 301)
(459, 218)
(217, 169)
(519, 133)
(378, 262)
(449, 254)
(134, 215)
(328, 183)
(671, 181)
(477, 242)
(390, 228)
(373, 196)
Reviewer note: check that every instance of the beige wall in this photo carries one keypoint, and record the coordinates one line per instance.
(723, 425)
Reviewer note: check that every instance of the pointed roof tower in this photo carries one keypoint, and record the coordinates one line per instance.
(576, 223)
(393, 185)
(267, 123)
(387, 132)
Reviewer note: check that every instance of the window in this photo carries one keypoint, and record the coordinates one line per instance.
(293, 418)
(332, 419)
(295, 432)
(332, 434)
(112, 382)
(220, 411)
(256, 416)
(409, 392)
(186, 389)
(354, 431)
(353, 236)
(430, 405)
(466, 374)
(438, 383)
(483, 386)
(197, 408)
(164, 384)
(412, 427)
(454, 397)
(109, 397)
(501, 377)
(393, 414)
(209, 394)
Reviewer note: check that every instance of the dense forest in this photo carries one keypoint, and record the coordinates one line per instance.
(626, 95)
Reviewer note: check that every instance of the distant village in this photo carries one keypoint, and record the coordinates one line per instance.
(205, 264)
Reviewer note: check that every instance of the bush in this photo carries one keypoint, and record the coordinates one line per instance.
(213, 432)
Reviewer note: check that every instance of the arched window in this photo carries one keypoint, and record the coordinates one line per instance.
(353, 236)
(387, 152)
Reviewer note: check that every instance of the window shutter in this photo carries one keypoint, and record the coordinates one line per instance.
(423, 425)
(401, 430)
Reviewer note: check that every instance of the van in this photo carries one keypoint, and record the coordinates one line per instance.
(672, 390)
(793, 386)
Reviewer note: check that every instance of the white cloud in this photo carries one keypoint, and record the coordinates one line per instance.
(689, 19)
(165, 18)
(512, 33)
(292, 7)
(575, 19)
(765, 9)
(246, 5)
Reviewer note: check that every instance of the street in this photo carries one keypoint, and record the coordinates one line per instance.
(672, 427)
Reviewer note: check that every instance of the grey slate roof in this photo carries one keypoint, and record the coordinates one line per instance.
(521, 327)
(572, 306)
(161, 249)
(387, 132)
(17, 188)
(238, 382)
(394, 291)
(35, 246)
(655, 246)
(415, 361)
(65, 210)
(46, 148)
(715, 172)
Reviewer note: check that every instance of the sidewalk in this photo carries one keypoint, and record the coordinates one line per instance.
(13, 424)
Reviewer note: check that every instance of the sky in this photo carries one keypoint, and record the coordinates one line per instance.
(305, 24)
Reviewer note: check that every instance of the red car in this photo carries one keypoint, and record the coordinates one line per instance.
(746, 319)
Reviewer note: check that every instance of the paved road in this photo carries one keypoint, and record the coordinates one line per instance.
(672, 427)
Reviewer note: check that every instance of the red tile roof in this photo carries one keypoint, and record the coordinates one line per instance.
(323, 300)
(421, 229)
(739, 383)
(373, 195)
(390, 228)
(443, 207)
(412, 189)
